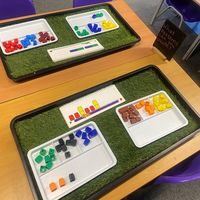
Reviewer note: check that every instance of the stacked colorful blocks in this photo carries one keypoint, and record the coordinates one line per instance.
(61, 182)
(86, 134)
(107, 24)
(94, 16)
(12, 45)
(44, 37)
(27, 41)
(47, 158)
(84, 32)
(161, 102)
(148, 106)
(94, 28)
(129, 113)
(62, 146)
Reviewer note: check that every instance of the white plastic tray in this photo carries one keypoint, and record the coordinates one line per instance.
(86, 163)
(26, 28)
(156, 126)
(81, 20)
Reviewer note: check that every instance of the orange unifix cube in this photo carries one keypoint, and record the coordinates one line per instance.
(151, 112)
(62, 182)
(147, 108)
(142, 102)
(150, 109)
(52, 186)
(138, 105)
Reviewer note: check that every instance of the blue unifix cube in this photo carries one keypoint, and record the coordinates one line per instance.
(78, 133)
(95, 26)
(93, 133)
(24, 43)
(90, 26)
(99, 29)
(34, 42)
(33, 36)
(94, 16)
(88, 129)
(86, 142)
(28, 37)
(84, 135)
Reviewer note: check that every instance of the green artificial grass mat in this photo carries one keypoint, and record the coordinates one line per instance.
(35, 130)
(31, 61)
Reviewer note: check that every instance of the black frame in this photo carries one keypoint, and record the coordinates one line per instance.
(132, 172)
(74, 62)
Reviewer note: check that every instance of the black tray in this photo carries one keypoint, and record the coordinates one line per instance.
(70, 63)
(129, 173)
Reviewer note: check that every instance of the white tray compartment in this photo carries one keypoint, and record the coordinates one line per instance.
(86, 167)
(36, 152)
(156, 127)
(26, 28)
(74, 151)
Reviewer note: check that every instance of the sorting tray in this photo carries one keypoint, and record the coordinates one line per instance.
(21, 30)
(149, 127)
(92, 23)
(37, 62)
(84, 161)
(130, 159)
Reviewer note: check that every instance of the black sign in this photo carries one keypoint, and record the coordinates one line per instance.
(169, 39)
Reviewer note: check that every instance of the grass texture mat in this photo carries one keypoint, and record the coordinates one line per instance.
(34, 60)
(37, 129)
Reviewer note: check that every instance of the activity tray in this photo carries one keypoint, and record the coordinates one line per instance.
(46, 123)
(63, 164)
(63, 30)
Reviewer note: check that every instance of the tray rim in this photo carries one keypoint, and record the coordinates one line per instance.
(66, 65)
(108, 187)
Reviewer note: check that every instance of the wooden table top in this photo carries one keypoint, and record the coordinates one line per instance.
(197, 1)
(13, 180)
